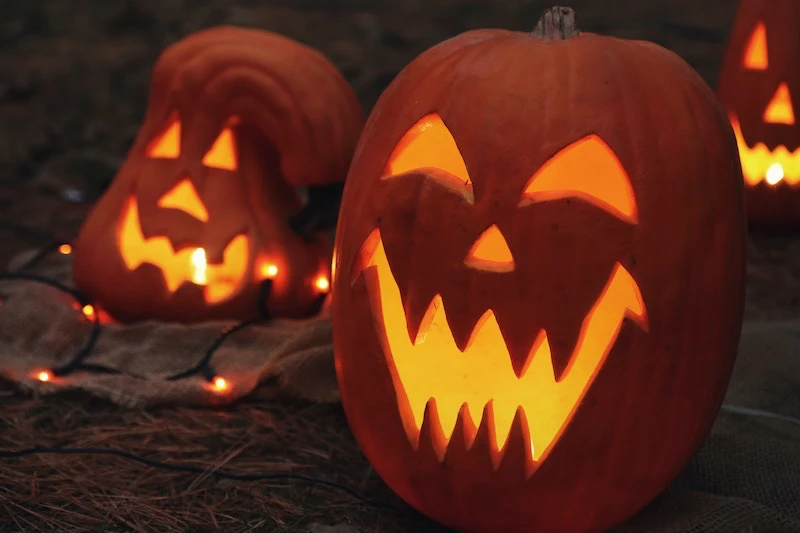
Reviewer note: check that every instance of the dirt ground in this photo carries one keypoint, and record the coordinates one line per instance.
(73, 86)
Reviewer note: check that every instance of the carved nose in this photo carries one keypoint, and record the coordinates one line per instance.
(183, 196)
(490, 252)
(780, 110)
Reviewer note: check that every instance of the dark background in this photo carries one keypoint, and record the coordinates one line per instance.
(74, 77)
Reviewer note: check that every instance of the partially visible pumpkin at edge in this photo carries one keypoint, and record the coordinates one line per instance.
(759, 85)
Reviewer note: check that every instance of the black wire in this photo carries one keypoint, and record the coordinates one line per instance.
(205, 360)
(76, 295)
(217, 473)
(43, 252)
(204, 365)
(76, 362)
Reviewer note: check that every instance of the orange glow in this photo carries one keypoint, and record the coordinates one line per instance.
(490, 252)
(183, 196)
(322, 283)
(88, 311)
(333, 264)
(187, 265)
(780, 110)
(219, 384)
(759, 161)
(755, 53)
(429, 146)
(432, 372)
(65, 249)
(44, 376)
(268, 270)
(168, 144)
(222, 153)
(587, 169)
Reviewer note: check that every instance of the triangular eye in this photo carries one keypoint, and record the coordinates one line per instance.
(587, 169)
(780, 110)
(430, 147)
(222, 153)
(167, 145)
(756, 56)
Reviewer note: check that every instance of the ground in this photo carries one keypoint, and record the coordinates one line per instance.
(73, 85)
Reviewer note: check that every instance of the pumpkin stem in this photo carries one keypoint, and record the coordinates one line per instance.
(556, 23)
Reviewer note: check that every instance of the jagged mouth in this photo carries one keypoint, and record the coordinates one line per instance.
(437, 384)
(220, 281)
(760, 164)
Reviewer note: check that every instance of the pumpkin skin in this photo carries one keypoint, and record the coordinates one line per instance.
(759, 85)
(236, 120)
(485, 183)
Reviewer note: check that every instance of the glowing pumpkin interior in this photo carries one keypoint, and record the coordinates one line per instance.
(437, 384)
(189, 265)
(759, 163)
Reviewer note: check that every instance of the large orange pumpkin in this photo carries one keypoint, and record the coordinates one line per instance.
(760, 88)
(198, 215)
(539, 277)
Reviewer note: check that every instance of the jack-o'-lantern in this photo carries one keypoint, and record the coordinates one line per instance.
(760, 88)
(538, 292)
(198, 215)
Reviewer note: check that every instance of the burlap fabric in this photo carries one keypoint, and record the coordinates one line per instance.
(746, 478)
(41, 327)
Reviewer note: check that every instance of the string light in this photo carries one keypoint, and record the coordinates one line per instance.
(219, 384)
(98, 317)
(269, 270)
(322, 283)
(88, 311)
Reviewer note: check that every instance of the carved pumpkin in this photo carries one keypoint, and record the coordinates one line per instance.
(760, 88)
(197, 216)
(538, 292)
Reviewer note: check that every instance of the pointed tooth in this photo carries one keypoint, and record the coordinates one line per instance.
(466, 325)
(631, 295)
(540, 361)
(562, 340)
(539, 348)
(418, 404)
(370, 254)
(431, 438)
(463, 436)
(420, 308)
(502, 418)
(518, 454)
(469, 424)
(486, 340)
(482, 451)
(431, 320)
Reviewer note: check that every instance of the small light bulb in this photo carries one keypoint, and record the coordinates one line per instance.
(199, 267)
(88, 311)
(322, 283)
(220, 384)
(43, 376)
(774, 173)
(270, 271)
(65, 249)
